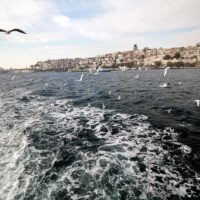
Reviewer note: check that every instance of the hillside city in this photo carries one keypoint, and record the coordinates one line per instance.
(146, 58)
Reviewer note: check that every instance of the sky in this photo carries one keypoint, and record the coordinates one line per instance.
(85, 28)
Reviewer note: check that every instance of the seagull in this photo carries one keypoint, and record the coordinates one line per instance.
(13, 78)
(109, 92)
(165, 71)
(119, 98)
(97, 72)
(169, 110)
(103, 106)
(81, 77)
(10, 31)
(198, 102)
(164, 85)
(179, 83)
(46, 85)
(137, 76)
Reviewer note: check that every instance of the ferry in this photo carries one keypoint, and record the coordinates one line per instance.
(104, 70)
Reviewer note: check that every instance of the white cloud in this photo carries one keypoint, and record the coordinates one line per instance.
(118, 18)
(115, 27)
(34, 17)
(60, 48)
(37, 37)
(187, 38)
(131, 17)
(23, 13)
(62, 20)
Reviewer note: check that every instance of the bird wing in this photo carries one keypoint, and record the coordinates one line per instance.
(81, 77)
(198, 102)
(1, 30)
(165, 71)
(13, 78)
(18, 30)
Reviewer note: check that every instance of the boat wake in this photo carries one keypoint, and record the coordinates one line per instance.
(53, 150)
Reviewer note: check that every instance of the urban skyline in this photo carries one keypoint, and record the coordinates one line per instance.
(136, 58)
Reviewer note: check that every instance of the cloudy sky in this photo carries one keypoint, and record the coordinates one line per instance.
(83, 28)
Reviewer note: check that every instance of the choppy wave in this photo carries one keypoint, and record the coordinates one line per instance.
(53, 150)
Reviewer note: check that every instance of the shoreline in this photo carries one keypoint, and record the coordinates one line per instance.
(24, 71)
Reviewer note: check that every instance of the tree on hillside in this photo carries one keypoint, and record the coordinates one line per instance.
(188, 64)
(178, 64)
(167, 57)
(177, 55)
(169, 64)
(158, 63)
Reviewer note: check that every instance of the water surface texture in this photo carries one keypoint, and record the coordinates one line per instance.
(58, 142)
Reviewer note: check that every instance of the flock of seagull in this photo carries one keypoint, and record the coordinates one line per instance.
(96, 72)
(179, 83)
(163, 85)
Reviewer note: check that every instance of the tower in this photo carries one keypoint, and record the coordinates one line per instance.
(135, 47)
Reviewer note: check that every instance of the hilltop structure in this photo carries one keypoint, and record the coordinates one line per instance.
(135, 47)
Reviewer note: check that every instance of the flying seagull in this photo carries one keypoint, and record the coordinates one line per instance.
(169, 110)
(164, 85)
(46, 85)
(10, 31)
(13, 78)
(81, 78)
(179, 83)
(197, 102)
(165, 71)
(137, 76)
(97, 71)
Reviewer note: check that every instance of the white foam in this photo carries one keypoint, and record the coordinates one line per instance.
(126, 145)
(133, 140)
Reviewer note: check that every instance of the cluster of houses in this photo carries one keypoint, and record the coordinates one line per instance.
(144, 58)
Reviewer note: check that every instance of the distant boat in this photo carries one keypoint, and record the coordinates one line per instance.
(104, 70)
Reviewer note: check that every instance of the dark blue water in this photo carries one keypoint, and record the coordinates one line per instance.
(58, 142)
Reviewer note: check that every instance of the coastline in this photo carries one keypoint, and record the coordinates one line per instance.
(18, 71)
